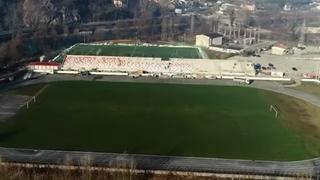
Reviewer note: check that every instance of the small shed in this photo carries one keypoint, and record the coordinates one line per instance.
(207, 40)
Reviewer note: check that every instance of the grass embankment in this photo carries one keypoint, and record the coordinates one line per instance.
(311, 88)
(217, 55)
(184, 120)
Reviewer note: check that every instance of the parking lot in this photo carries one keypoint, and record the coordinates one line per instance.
(292, 65)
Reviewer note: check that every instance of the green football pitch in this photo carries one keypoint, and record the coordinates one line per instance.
(162, 119)
(136, 51)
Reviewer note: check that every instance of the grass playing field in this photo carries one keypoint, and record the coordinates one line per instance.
(136, 51)
(165, 119)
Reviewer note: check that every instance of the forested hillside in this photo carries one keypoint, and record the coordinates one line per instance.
(39, 27)
(34, 13)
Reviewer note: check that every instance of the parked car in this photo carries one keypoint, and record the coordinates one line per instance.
(294, 68)
(257, 66)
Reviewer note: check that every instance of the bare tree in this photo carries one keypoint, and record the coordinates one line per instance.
(164, 29)
(38, 13)
(13, 19)
(232, 17)
(144, 21)
(120, 29)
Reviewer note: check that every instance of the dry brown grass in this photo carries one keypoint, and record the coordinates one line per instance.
(35, 173)
(122, 170)
(311, 88)
(301, 116)
(217, 55)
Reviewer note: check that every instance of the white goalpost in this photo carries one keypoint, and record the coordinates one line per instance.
(275, 109)
(29, 101)
(33, 98)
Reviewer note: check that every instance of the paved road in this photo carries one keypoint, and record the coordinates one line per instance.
(150, 162)
(275, 87)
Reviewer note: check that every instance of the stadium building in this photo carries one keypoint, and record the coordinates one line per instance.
(157, 66)
(150, 59)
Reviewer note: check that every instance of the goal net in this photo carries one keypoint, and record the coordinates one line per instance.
(274, 109)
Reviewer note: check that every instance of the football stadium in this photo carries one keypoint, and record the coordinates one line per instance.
(150, 59)
(159, 118)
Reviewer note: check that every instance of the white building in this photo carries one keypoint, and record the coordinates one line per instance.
(203, 40)
(312, 30)
(249, 7)
(43, 67)
(279, 50)
(118, 3)
(287, 7)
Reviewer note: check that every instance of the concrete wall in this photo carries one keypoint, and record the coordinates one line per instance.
(216, 41)
(311, 80)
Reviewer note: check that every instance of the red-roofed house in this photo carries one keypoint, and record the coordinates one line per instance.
(43, 67)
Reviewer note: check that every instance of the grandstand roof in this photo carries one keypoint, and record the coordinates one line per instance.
(44, 64)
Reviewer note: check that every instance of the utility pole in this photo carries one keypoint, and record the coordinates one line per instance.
(164, 28)
(250, 36)
(302, 34)
(171, 27)
(192, 25)
(214, 27)
(234, 32)
(245, 36)
(255, 35)
(218, 27)
(259, 35)
(230, 31)
(239, 33)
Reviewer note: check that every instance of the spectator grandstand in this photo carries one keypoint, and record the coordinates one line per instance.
(156, 65)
